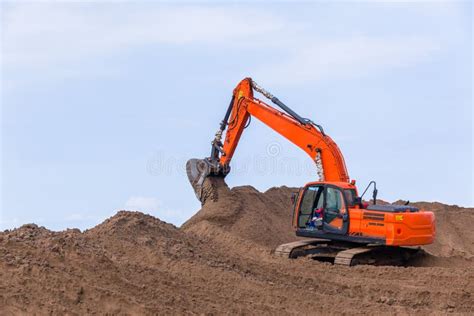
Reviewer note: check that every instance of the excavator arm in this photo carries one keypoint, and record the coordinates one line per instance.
(305, 134)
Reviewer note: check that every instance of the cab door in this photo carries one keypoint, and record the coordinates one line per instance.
(313, 196)
(335, 218)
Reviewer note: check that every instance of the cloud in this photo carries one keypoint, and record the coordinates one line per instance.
(36, 35)
(78, 217)
(15, 222)
(9, 223)
(348, 57)
(55, 40)
(156, 208)
(145, 204)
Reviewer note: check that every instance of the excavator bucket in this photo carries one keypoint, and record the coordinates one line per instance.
(197, 171)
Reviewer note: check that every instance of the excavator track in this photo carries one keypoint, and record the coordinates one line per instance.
(346, 257)
(296, 249)
(347, 254)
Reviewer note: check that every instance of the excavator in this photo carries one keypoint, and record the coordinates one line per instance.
(337, 224)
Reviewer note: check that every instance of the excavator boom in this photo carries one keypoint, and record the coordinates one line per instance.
(305, 134)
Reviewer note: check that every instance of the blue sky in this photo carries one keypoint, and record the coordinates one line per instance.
(103, 102)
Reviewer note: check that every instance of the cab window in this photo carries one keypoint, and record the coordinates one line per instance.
(335, 207)
(335, 200)
(312, 196)
(350, 196)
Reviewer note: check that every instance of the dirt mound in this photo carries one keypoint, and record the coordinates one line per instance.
(219, 262)
(246, 213)
(130, 225)
(129, 264)
(135, 230)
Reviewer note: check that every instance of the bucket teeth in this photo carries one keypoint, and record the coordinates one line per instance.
(197, 171)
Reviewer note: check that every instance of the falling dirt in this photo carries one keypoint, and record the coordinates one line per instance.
(219, 261)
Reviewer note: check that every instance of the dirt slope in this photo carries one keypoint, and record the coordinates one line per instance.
(245, 213)
(219, 262)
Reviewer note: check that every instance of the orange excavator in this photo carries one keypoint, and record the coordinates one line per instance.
(339, 225)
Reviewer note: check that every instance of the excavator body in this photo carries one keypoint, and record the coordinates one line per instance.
(330, 211)
(345, 218)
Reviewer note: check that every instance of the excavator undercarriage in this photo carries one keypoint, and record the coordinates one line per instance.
(348, 254)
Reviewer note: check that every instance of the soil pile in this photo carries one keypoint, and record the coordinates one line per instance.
(245, 213)
(113, 267)
(219, 262)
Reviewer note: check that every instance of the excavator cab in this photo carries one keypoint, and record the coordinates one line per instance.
(327, 202)
(345, 218)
